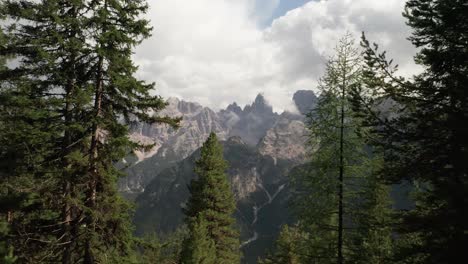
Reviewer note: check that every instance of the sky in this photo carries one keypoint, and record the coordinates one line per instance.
(216, 52)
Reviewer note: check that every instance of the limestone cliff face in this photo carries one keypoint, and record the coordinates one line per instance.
(286, 139)
(171, 145)
(277, 136)
(197, 123)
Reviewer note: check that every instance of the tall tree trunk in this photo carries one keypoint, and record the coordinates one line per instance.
(94, 152)
(66, 179)
(340, 180)
(66, 185)
(93, 157)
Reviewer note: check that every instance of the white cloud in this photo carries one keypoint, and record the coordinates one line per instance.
(214, 51)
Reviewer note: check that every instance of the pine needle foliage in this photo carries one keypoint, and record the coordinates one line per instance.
(211, 206)
(65, 108)
(338, 192)
(425, 138)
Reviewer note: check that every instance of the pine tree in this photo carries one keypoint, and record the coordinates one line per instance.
(6, 251)
(117, 94)
(199, 247)
(425, 139)
(339, 194)
(212, 202)
(165, 250)
(374, 221)
(288, 248)
(66, 107)
(28, 135)
(338, 151)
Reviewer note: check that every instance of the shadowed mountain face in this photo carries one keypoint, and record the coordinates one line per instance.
(253, 121)
(305, 101)
(259, 184)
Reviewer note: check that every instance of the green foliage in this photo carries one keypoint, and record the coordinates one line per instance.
(6, 251)
(212, 203)
(375, 220)
(424, 140)
(199, 247)
(343, 170)
(27, 141)
(63, 126)
(289, 248)
(152, 249)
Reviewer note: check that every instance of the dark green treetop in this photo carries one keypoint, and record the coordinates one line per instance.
(337, 193)
(64, 108)
(213, 203)
(290, 247)
(425, 138)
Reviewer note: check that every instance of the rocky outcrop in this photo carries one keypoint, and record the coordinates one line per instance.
(305, 101)
(254, 121)
(286, 139)
(171, 145)
(197, 123)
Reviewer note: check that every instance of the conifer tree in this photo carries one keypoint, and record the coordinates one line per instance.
(425, 139)
(6, 251)
(289, 247)
(212, 202)
(374, 223)
(30, 132)
(166, 250)
(118, 28)
(199, 247)
(330, 204)
(66, 105)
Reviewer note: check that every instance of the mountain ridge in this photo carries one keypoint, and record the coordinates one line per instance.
(254, 123)
(262, 147)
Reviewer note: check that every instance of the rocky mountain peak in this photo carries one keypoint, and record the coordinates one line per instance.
(259, 106)
(260, 100)
(234, 108)
(255, 126)
(173, 100)
(253, 122)
(179, 107)
(305, 100)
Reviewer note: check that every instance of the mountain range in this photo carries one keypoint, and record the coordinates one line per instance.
(261, 147)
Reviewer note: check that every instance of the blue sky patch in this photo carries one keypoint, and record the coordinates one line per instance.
(283, 7)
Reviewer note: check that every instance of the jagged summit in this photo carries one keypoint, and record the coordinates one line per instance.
(255, 125)
(260, 101)
(259, 106)
(305, 100)
(180, 107)
(234, 108)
